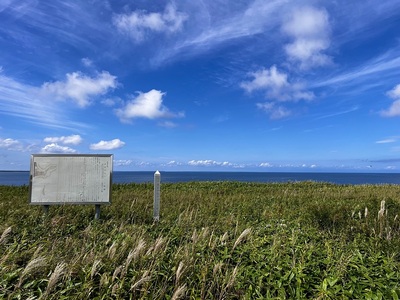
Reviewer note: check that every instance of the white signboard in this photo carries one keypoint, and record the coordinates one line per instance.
(75, 179)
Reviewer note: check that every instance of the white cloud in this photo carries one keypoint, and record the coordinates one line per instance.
(208, 163)
(55, 148)
(173, 163)
(395, 92)
(145, 105)
(123, 162)
(87, 62)
(11, 144)
(72, 139)
(79, 87)
(276, 85)
(108, 145)
(310, 29)
(386, 141)
(168, 124)
(265, 165)
(111, 101)
(139, 23)
(274, 111)
(394, 109)
(278, 89)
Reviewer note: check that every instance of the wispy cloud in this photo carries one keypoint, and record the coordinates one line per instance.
(22, 101)
(379, 68)
(167, 124)
(35, 105)
(210, 26)
(64, 21)
(343, 112)
(138, 24)
(386, 141)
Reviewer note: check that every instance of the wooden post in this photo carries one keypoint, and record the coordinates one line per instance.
(156, 208)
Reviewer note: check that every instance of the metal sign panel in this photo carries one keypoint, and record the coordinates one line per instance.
(74, 179)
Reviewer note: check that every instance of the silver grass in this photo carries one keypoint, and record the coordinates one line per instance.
(104, 280)
(95, 268)
(224, 238)
(129, 258)
(241, 237)
(32, 266)
(149, 251)
(205, 232)
(195, 236)
(179, 271)
(217, 268)
(59, 271)
(179, 292)
(211, 239)
(112, 250)
(117, 271)
(160, 241)
(37, 251)
(381, 218)
(145, 278)
(381, 212)
(5, 234)
(114, 289)
(140, 246)
(232, 278)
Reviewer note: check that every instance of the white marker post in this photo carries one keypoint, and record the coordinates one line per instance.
(156, 211)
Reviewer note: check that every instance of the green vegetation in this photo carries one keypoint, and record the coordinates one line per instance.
(215, 240)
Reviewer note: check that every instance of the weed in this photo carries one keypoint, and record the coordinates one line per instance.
(214, 240)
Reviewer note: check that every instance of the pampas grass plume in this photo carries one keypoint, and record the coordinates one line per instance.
(242, 236)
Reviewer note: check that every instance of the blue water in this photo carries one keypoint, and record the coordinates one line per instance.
(22, 178)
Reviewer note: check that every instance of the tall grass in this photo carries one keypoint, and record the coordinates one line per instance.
(214, 240)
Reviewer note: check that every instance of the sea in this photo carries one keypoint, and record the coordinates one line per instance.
(19, 178)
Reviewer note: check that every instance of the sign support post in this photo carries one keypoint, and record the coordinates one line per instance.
(97, 213)
(156, 209)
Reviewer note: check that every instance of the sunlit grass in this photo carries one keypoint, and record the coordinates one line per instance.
(214, 240)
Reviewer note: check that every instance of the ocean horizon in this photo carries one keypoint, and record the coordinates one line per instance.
(19, 178)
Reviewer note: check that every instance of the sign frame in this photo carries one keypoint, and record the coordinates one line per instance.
(83, 166)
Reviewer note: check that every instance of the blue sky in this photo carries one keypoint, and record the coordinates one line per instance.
(203, 85)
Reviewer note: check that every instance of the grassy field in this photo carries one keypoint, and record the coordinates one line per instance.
(215, 240)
